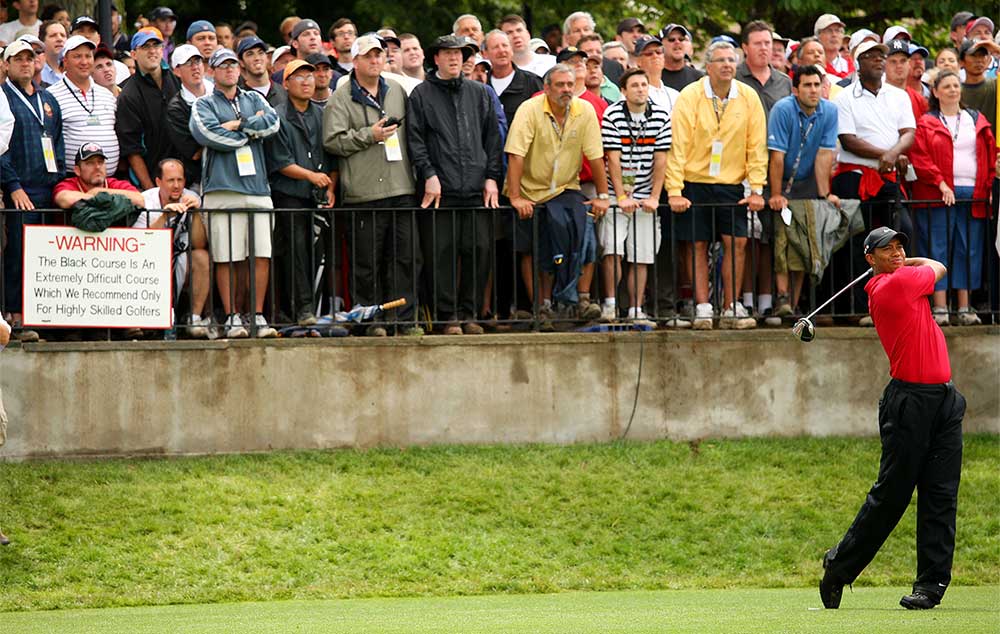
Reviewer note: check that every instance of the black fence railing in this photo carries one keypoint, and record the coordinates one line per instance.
(475, 269)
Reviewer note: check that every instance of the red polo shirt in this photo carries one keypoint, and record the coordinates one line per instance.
(73, 183)
(913, 342)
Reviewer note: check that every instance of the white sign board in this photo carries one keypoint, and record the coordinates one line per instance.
(118, 278)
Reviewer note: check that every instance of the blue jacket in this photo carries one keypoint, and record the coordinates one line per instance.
(219, 169)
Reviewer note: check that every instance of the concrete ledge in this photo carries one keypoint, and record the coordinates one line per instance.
(186, 397)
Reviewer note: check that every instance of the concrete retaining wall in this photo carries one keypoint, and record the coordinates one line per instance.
(100, 399)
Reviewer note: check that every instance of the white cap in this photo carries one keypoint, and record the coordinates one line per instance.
(893, 31)
(860, 36)
(365, 43)
(278, 52)
(17, 46)
(74, 41)
(866, 46)
(183, 54)
(826, 20)
(536, 43)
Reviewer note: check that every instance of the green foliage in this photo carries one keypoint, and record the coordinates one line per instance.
(459, 521)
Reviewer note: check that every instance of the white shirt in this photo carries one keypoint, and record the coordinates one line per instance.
(152, 198)
(664, 96)
(8, 30)
(189, 96)
(964, 153)
(85, 121)
(876, 119)
(6, 123)
(500, 85)
(539, 64)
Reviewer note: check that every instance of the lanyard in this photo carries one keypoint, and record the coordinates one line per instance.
(958, 126)
(38, 98)
(235, 103)
(715, 106)
(798, 156)
(93, 104)
(636, 139)
(555, 126)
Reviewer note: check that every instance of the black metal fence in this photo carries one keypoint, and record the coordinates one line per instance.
(470, 269)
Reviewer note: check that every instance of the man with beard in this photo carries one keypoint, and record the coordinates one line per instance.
(91, 178)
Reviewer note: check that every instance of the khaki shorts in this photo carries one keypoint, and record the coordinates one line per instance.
(229, 233)
(640, 228)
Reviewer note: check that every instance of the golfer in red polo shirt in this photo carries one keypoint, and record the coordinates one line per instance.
(920, 422)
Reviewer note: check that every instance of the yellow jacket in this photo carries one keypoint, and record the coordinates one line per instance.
(743, 132)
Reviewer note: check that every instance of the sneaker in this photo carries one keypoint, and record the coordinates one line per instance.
(830, 589)
(263, 330)
(199, 328)
(866, 322)
(966, 317)
(771, 319)
(411, 331)
(545, 317)
(702, 317)
(587, 311)
(3, 540)
(376, 331)
(472, 328)
(685, 309)
(941, 316)
(609, 313)
(306, 318)
(919, 600)
(737, 318)
(234, 328)
(453, 329)
(678, 323)
(636, 312)
(784, 308)
(30, 336)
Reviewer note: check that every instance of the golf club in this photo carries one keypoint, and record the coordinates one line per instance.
(804, 330)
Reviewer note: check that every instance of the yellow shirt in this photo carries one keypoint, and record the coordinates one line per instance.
(743, 132)
(552, 159)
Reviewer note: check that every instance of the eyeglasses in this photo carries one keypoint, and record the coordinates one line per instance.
(723, 60)
(227, 65)
(343, 32)
(302, 77)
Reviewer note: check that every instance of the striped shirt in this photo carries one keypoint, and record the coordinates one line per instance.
(637, 137)
(87, 118)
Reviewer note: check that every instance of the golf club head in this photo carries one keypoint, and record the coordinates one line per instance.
(804, 330)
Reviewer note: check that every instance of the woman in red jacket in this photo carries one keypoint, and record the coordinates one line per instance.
(954, 155)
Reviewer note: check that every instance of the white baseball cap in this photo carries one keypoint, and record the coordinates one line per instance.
(893, 32)
(17, 46)
(868, 45)
(365, 43)
(183, 54)
(860, 36)
(74, 41)
(826, 20)
(278, 52)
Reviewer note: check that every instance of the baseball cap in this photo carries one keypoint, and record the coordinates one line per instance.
(868, 45)
(32, 40)
(860, 36)
(147, 34)
(825, 21)
(572, 51)
(302, 26)
(249, 42)
(882, 236)
(646, 40)
(970, 46)
(367, 42)
(278, 52)
(102, 50)
(221, 55)
(315, 59)
(898, 46)
(89, 150)
(775, 37)
(183, 54)
(725, 37)
(295, 65)
(961, 19)
(537, 43)
(981, 20)
(74, 41)
(17, 46)
(479, 59)
(162, 13)
(248, 25)
(628, 24)
(388, 35)
(81, 21)
(917, 49)
(200, 26)
(665, 31)
(893, 32)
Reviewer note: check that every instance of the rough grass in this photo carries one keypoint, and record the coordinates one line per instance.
(460, 521)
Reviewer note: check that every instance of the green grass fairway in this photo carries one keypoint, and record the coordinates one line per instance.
(966, 610)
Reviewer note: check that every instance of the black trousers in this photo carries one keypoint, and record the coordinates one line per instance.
(294, 259)
(921, 431)
(456, 248)
(384, 255)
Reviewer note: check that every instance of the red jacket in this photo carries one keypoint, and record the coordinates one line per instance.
(932, 156)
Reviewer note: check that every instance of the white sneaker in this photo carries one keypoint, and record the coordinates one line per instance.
(968, 317)
(636, 312)
(866, 322)
(736, 318)
(263, 330)
(199, 328)
(940, 314)
(609, 313)
(677, 322)
(702, 317)
(234, 328)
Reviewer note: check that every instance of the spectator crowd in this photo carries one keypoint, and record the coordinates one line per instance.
(475, 172)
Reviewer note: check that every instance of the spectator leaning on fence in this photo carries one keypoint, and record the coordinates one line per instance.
(375, 173)
(231, 124)
(91, 178)
(88, 110)
(455, 147)
(549, 138)
(33, 165)
(719, 140)
(954, 155)
(142, 108)
(637, 136)
(802, 140)
(303, 176)
(170, 205)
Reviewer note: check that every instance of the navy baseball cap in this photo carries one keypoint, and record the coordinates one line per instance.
(89, 150)
(883, 236)
(200, 26)
(641, 43)
(249, 42)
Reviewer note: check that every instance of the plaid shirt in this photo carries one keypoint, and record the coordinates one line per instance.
(24, 164)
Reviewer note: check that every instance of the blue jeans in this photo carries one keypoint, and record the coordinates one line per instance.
(953, 237)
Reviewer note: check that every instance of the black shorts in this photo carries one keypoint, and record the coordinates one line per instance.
(703, 224)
